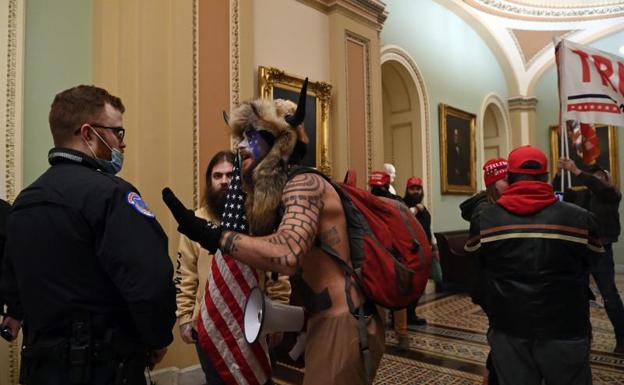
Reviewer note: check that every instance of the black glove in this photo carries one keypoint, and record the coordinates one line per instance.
(204, 232)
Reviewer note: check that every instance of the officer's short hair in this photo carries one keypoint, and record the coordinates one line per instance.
(76, 106)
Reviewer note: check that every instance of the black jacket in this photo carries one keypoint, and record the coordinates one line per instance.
(536, 269)
(4, 213)
(473, 205)
(603, 200)
(80, 241)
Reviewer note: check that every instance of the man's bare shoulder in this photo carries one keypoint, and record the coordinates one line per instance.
(307, 182)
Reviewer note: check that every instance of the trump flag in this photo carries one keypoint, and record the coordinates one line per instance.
(591, 84)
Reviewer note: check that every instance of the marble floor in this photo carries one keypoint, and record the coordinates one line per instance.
(452, 347)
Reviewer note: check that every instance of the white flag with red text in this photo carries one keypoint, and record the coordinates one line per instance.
(591, 84)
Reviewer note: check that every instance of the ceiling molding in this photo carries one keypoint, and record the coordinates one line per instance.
(548, 11)
(372, 11)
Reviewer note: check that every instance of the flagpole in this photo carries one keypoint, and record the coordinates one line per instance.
(557, 42)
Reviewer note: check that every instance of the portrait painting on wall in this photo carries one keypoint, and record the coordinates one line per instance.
(277, 84)
(586, 151)
(457, 151)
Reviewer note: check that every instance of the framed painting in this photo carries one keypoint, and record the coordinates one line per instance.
(277, 84)
(608, 157)
(457, 150)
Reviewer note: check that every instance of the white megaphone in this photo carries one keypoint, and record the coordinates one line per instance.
(263, 316)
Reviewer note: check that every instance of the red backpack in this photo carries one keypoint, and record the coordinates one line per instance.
(390, 252)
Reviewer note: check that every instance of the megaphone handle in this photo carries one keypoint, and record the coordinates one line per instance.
(298, 347)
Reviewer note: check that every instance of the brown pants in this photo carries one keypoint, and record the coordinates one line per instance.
(332, 354)
(400, 322)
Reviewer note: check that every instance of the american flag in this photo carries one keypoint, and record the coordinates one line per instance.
(220, 329)
(585, 141)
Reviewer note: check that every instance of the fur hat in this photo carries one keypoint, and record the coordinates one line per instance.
(282, 119)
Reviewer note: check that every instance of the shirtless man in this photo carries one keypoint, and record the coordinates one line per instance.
(267, 134)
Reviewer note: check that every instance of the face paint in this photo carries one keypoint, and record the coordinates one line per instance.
(255, 143)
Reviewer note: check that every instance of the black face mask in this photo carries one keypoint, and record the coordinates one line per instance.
(412, 200)
(380, 191)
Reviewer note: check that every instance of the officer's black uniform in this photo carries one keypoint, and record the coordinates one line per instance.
(4, 213)
(88, 262)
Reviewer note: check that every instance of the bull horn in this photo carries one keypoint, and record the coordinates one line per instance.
(297, 118)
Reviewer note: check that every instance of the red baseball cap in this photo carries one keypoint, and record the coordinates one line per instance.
(379, 178)
(414, 181)
(519, 157)
(494, 170)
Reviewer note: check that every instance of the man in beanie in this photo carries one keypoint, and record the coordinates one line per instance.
(495, 179)
(534, 252)
(602, 199)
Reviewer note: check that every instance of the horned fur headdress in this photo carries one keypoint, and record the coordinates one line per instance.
(283, 120)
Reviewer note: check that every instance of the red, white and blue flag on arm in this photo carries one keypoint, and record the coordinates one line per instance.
(220, 327)
(591, 84)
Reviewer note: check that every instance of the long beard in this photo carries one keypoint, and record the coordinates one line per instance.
(412, 200)
(216, 201)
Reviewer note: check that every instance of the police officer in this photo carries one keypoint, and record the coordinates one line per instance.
(9, 326)
(85, 258)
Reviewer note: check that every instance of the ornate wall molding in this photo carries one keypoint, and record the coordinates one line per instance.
(234, 54)
(196, 178)
(522, 103)
(361, 40)
(11, 87)
(398, 54)
(373, 12)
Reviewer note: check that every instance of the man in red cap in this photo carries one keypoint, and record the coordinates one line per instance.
(534, 252)
(603, 199)
(379, 183)
(413, 198)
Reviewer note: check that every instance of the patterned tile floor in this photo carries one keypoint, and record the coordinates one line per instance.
(452, 348)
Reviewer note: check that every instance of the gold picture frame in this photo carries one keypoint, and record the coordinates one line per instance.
(457, 150)
(607, 135)
(275, 83)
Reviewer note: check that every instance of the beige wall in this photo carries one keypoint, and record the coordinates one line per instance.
(291, 36)
(213, 81)
(143, 52)
(343, 28)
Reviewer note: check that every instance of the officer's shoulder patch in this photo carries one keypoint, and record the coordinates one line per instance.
(139, 205)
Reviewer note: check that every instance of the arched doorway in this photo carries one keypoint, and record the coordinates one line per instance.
(405, 119)
(495, 129)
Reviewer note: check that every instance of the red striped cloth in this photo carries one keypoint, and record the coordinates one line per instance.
(220, 329)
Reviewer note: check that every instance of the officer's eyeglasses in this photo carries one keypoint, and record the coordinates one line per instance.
(120, 132)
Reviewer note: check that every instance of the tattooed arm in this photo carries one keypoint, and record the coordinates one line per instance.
(281, 252)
